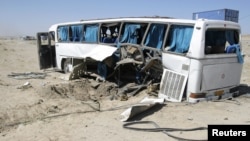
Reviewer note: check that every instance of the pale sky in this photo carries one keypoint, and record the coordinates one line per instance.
(27, 17)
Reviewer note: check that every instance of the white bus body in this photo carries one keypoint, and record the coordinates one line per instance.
(194, 61)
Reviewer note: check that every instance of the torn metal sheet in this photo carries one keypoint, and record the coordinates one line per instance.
(77, 71)
(97, 52)
(144, 105)
(129, 60)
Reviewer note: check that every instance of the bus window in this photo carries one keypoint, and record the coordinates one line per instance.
(44, 40)
(103, 33)
(62, 32)
(91, 33)
(155, 36)
(52, 37)
(109, 32)
(76, 33)
(217, 40)
(179, 38)
(132, 33)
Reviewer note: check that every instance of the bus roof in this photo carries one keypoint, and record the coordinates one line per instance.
(124, 19)
(144, 19)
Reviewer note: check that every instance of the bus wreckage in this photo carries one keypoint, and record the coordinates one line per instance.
(194, 60)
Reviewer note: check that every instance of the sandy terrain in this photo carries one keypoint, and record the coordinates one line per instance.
(53, 109)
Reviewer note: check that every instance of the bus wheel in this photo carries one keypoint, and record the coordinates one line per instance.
(67, 66)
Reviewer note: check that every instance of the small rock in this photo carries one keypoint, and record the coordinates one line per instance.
(95, 84)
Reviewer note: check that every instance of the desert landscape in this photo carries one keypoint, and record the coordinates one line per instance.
(43, 106)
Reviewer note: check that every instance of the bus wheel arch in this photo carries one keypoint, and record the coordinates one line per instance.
(67, 65)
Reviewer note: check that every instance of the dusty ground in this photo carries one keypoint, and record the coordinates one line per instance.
(53, 109)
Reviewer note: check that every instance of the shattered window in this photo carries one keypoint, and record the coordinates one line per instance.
(219, 40)
(109, 32)
(133, 33)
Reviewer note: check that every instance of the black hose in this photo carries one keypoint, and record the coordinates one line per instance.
(164, 130)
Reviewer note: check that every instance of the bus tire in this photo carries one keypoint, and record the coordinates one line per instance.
(67, 66)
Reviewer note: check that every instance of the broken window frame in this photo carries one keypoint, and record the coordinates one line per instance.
(228, 37)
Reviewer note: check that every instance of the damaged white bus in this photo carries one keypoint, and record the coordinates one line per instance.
(190, 60)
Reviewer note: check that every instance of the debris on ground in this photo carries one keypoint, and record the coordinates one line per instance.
(28, 75)
(26, 85)
(144, 105)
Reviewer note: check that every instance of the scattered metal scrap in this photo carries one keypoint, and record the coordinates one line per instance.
(144, 105)
(146, 63)
(28, 75)
(26, 85)
(133, 62)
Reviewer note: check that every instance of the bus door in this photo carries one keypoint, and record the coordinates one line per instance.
(46, 50)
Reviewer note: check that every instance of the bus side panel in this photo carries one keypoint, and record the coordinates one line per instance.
(97, 52)
(194, 79)
(178, 63)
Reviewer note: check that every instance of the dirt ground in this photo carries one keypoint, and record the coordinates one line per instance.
(49, 108)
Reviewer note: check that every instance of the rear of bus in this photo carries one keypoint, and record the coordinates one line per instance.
(210, 69)
(215, 68)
